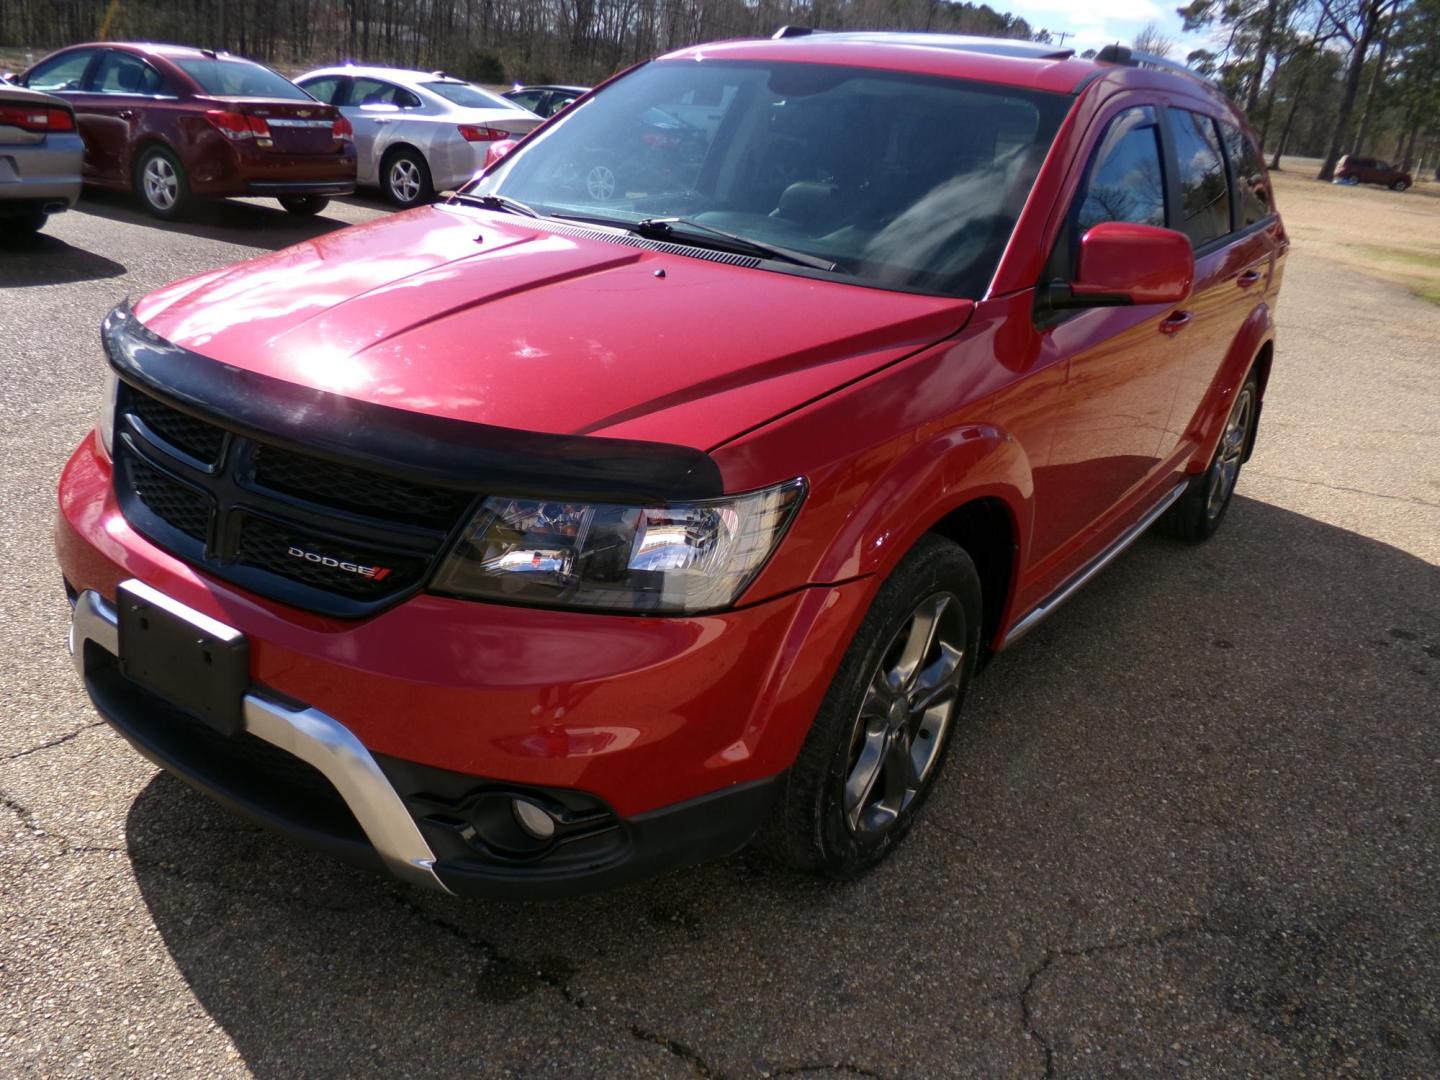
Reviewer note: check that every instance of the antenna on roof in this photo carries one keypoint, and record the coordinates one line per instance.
(794, 31)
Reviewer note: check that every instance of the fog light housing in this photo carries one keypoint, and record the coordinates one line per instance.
(536, 821)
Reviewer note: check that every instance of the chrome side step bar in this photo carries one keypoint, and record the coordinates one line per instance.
(1093, 567)
(311, 735)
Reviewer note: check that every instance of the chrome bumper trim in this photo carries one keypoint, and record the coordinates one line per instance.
(309, 734)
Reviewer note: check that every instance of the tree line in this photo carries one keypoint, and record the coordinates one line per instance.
(1317, 78)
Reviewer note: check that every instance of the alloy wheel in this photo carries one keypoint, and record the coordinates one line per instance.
(600, 182)
(162, 186)
(405, 180)
(904, 716)
(1226, 469)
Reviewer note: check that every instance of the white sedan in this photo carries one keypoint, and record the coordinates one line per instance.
(417, 132)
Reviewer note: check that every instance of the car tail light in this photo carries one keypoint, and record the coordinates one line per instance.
(29, 118)
(472, 133)
(236, 126)
(343, 130)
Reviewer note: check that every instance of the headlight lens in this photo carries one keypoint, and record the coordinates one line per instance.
(684, 558)
(105, 423)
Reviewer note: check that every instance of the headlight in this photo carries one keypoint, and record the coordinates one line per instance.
(105, 423)
(689, 557)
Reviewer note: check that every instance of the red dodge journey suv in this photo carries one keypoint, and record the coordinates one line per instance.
(567, 532)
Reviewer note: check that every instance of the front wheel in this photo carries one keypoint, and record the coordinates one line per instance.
(304, 205)
(881, 735)
(1198, 513)
(405, 179)
(161, 183)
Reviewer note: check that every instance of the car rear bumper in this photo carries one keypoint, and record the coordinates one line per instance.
(240, 170)
(42, 174)
(659, 737)
(300, 187)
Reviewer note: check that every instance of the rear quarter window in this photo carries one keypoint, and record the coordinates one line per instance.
(1252, 192)
(1204, 193)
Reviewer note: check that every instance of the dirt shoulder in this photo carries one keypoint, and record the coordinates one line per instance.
(1392, 235)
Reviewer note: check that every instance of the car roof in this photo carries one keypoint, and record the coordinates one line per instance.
(1007, 61)
(549, 86)
(405, 76)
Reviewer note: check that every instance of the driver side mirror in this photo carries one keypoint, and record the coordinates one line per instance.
(10, 77)
(1122, 263)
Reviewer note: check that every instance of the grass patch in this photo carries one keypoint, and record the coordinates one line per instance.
(1417, 270)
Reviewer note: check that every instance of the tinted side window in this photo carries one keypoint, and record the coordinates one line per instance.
(375, 92)
(322, 88)
(1251, 194)
(1126, 182)
(1204, 194)
(527, 100)
(121, 73)
(61, 73)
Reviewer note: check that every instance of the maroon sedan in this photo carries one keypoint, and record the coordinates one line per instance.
(173, 123)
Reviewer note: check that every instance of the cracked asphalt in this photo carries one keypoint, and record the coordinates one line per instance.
(1191, 825)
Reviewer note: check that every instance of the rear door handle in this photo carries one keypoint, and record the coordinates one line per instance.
(1248, 278)
(1176, 322)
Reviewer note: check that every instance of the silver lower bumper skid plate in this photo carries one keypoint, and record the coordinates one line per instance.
(311, 735)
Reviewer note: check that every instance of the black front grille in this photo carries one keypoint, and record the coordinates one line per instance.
(356, 490)
(200, 440)
(292, 554)
(178, 505)
(334, 538)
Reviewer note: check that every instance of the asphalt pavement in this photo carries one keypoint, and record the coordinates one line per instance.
(1191, 825)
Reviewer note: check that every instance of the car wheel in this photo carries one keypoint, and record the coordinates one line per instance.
(24, 224)
(880, 737)
(405, 179)
(1400, 185)
(601, 182)
(304, 205)
(161, 183)
(1198, 513)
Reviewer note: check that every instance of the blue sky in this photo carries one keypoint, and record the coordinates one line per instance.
(1099, 22)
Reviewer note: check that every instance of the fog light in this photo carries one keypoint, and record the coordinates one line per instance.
(535, 821)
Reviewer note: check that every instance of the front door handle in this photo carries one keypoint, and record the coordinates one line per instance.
(1176, 322)
(129, 114)
(1248, 278)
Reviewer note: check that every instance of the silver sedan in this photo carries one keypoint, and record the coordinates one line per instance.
(41, 154)
(417, 132)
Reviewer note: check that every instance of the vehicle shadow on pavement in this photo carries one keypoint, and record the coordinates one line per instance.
(230, 220)
(38, 259)
(1194, 820)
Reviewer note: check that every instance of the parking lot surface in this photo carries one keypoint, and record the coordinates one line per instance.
(1191, 825)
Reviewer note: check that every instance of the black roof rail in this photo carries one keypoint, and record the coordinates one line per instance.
(794, 31)
(1128, 57)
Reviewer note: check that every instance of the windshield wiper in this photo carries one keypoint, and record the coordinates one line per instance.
(499, 202)
(675, 229)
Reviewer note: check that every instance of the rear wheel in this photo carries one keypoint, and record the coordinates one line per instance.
(1400, 185)
(304, 205)
(880, 737)
(405, 179)
(1198, 513)
(32, 221)
(161, 183)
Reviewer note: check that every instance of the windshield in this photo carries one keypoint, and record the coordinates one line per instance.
(469, 97)
(240, 78)
(909, 182)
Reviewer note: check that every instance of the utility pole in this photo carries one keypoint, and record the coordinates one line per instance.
(1061, 35)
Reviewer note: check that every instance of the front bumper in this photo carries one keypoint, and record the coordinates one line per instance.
(674, 727)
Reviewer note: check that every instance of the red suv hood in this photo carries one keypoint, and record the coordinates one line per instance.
(494, 319)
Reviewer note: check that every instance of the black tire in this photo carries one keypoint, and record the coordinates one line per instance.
(26, 224)
(809, 827)
(304, 205)
(1399, 185)
(405, 179)
(161, 183)
(1197, 514)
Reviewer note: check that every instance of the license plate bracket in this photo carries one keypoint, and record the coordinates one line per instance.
(196, 663)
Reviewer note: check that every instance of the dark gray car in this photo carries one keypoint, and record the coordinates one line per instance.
(40, 157)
